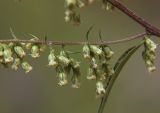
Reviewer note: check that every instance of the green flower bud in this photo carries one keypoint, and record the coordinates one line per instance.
(91, 74)
(16, 63)
(151, 55)
(76, 75)
(19, 51)
(86, 51)
(28, 46)
(52, 59)
(100, 90)
(68, 14)
(94, 63)
(64, 59)
(11, 45)
(26, 66)
(150, 44)
(23, 44)
(150, 66)
(71, 3)
(35, 51)
(108, 52)
(149, 63)
(7, 54)
(62, 79)
(96, 50)
(75, 82)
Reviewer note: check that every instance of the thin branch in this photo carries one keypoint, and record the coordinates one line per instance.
(141, 35)
(149, 27)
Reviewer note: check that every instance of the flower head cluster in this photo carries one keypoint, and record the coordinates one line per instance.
(149, 54)
(70, 13)
(13, 54)
(99, 68)
(63, 64)
(71, 6)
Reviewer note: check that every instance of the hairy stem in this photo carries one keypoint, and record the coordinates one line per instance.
(47, 42)
(149, 28)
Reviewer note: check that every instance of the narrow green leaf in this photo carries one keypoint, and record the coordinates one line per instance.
(118, 67)
(89, 30)
(122, 57)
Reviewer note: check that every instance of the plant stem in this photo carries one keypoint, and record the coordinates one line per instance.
(149, 28)
(141, 35)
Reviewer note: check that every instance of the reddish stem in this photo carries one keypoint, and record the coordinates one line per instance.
(149, 28)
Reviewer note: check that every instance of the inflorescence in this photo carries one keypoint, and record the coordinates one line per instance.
(98, 56)
(71, 14)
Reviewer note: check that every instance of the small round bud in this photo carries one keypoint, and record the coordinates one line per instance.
(67, 18)
(19, 51)
(94, 63)
(108, 52)
(23, 44)
(26, 66)
(86, 51)
(150, 44)
(16, 63)
(11, 45)
(7, 54)
(96, 50)
(35, 51)
(100, 90)
(63, 59)
(52, 59)
(70, 3)
(28, 46)
(91, 74)
(149, 63)
(62, 79)
(76, 75)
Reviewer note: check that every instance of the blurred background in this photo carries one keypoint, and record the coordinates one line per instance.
(135, 91)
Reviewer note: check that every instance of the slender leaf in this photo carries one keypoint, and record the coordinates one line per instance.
(89, 30)
(118, 67)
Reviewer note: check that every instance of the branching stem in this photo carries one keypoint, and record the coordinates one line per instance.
(149, 27)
